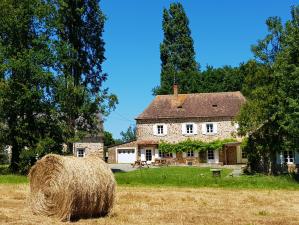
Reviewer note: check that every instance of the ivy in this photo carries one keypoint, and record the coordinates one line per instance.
(193, 145)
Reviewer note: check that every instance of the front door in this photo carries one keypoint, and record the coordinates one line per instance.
(148, 155)
(179, 157)
(231, 155)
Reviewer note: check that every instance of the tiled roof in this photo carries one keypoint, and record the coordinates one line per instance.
(147, 142)
(219, 104)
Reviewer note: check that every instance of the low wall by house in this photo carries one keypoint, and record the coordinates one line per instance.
(89, 148)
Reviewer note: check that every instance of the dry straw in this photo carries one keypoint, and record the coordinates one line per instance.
(71, 188)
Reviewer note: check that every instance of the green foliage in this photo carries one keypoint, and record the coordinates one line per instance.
(50, 74)
(178, 63)
(270, 115)
(176, 51)
(193, 145)
(79, 94)
(129, 134)
(3, 155)
(25, 80)
(28, 157)
(108, 139)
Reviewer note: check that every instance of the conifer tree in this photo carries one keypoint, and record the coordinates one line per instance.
(176, 51)
(80, 48)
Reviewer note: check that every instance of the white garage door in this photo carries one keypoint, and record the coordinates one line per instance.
(126, 155)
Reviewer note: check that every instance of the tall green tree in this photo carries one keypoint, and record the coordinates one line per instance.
(270, 116)
(176, 51)
(26, 105)
(80, 53)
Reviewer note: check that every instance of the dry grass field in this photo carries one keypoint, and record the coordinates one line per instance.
(144, 205)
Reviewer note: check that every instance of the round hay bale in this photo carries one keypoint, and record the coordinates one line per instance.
(71, 188)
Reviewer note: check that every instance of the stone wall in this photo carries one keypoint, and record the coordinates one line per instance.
(90, 148)
(225, 129)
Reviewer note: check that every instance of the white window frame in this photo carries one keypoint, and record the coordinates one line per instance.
(190, 153)
(287, 158)
(207, 131)
(156, 130)
(189, 128)
(79, 154)
(146, 151)
(209, 153)
(210, 128)
(160, 129)
(186, 131)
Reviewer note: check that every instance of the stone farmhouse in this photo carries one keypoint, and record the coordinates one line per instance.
(178, 117)
(91, 145)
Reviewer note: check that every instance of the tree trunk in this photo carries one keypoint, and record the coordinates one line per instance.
(15, 158)
(272, 167)
(70, 148)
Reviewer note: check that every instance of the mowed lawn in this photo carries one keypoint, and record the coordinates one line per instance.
(170, 205)
(193, 177)
(202, 177)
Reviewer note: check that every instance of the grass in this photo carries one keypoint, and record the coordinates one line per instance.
(7, 178)
(13, 179)
(193, 177)
(169, 206)
(201, 177)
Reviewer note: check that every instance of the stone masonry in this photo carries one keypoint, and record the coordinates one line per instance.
(225, 129)
(89, 148)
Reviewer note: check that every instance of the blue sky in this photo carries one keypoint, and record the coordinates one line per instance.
(223, 32)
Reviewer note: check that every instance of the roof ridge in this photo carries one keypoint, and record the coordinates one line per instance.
(199, 93)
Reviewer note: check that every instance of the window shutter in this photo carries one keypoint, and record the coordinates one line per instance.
(204, 128)
(194, 128)
(184, 154)
(174, 155)
(155, 132)
(184, 128)
(156, 153)
(215, 128)
(165, 129)
(142, 155)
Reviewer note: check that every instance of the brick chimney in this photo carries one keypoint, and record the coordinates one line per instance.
(175, 90)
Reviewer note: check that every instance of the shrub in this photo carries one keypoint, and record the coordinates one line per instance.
(4, 159)
(29, 156)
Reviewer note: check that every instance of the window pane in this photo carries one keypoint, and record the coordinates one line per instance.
(209, 127)
(160, 129)
(189, 128)
(210, 154)
(148, 155)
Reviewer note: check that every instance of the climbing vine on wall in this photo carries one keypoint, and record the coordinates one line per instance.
(194, 145)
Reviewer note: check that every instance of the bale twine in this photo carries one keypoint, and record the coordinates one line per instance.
(71, 188)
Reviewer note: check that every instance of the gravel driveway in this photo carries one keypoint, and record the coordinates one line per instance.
(121, 167)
